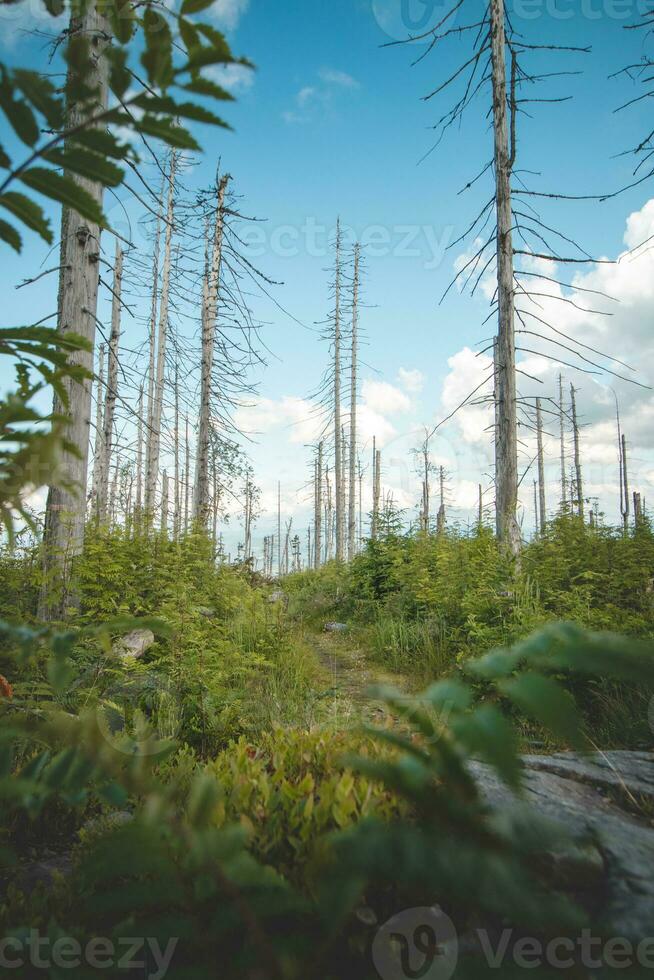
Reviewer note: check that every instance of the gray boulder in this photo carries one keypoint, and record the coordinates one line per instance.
(598, 799)
(336, 627)
(133, 644)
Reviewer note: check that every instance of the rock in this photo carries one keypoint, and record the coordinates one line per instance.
(336, 627)
(206, 612)
(134, 644)
(278, 596)
(614, 853)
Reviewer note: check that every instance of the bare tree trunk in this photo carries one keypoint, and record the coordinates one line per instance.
(506, 463)
(164, 504)
(638, 509)
(99, 430)
(440, 520)
(575, 432)
(625, 484)
(201, 485)
(279, 529)
(338, 436)
(541, 466)
(351, 526)
(63, 535)
(377, 490)
(154, 435)
(564, 493)
(187, 482)
(373, 518)
(317, 517)
(112, 385)
(360, 536)
(138, 504)
(152, 359)
(177, 511)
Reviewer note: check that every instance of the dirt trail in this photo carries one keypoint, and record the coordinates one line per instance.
(350, 674)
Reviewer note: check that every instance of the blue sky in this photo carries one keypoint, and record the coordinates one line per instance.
(332, 123)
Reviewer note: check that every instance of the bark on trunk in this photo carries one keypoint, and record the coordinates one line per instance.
(506, 463)
(575, 432)
(201, 495)
(112, 387)
(338, 468)
(352, 520)
(154, 435)
(541, 467)
(63, 536)
(317, 536)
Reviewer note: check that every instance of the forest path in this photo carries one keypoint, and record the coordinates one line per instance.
(350, 673)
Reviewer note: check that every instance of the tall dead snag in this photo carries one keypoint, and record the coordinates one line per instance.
(201, 495)
(541, 466)
(440, 517)
(352, 519)
(138, 503)
(279, 529)
(164, 504)
(506, 464)
(373, 517)
(317, 516)
(625, 485)
(564, 492)
(112, 387)
(97, 447)
(575, 434)
(377, 493)
(152, 357)
(154, 433)
(63, 534)
(338, 432)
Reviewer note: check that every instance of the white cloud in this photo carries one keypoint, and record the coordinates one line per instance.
(412, 381)
(234, 78)
(228, 13)
(332, 76)
(312, 100)
(384, 398)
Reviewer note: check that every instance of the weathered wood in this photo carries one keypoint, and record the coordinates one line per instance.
(154, 434)
(338, 433)
(112, 386)
(577, 452)
(506, 462)
(351, 525)
(201, 496)
(541, 467)
(79, 276)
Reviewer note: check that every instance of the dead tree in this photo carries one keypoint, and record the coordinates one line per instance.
(99, 408)
(63, 534)
(317, 516)
(541, 467)
(338, 432)
(351, 528)
(112, 386)
(564, 494)
(440, 517)
(506, 464)
(156, 414)
(575, 434)
(625, 486)
(209, 313)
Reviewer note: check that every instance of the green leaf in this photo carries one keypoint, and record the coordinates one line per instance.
(220, 49)
(187, 110)
(42, 94)
(165, 130)
(157, 59)
(204, 86)
(28, 212)
(547, 702)
(9, 234)
(18, 113)
(65, 191)
(100, 141)
(195, 6)
(488, 734)
(86, 163)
